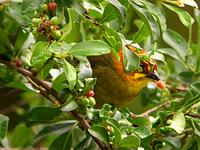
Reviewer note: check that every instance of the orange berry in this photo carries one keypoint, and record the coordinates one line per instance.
(160, 84)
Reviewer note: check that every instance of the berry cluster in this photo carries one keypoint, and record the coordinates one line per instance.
(45, 28)
(88, 99)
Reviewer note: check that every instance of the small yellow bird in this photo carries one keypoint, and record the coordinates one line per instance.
(116, 87)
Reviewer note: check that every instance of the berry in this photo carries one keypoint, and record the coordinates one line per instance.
(52, 6)
(92, 101)
(56, 34)
(85, 101)
(36, 21)
(89, 93)
(55, 21)
(44, 7)
(160, 84)
(18, 62)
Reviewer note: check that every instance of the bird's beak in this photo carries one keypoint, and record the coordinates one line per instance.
(153, 75)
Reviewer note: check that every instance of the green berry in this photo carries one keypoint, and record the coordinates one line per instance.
(56, 33)
(85, 101)
(92, 101)
(46, 17)
(36, 21)
(44, 7)
(55, 21)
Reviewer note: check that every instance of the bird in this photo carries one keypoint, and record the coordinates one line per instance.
(114, 85)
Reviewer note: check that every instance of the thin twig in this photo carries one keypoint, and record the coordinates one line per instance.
(152, 110)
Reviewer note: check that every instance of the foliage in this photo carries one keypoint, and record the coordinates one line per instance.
(45, 51)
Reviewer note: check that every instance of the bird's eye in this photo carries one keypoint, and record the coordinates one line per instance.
(144, 66)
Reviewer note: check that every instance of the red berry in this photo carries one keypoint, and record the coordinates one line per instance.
(89, 93)
(160, 84)
(18, 62)
(52, 6)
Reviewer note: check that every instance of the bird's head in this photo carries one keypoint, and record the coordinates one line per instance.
(147, 71)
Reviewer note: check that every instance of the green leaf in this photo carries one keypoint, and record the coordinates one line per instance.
(173, 141)
(89, 48)
(130, 142)
(149, 20)
(141, 121)
(114, 9)
(142, 131)
(155, 11)
(60, 82)
(99, 132)
(40, 54)
(177, 42)
(63, 142)
(3, 126)
(43, 115)
(117, 134)
(21, 136)
(178, 122)
(89, 84)
(14, 11)
(141, 35)
(170, 52)
(71, 32)
(197, 17)
(55, 128)
(77, 136)
(196, 127)
(70, 104)
(131, 61)
(28, 7)
(109, 13)
(184, 16)
(70, 73)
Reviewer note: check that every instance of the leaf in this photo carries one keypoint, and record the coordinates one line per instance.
(117, 134)
(196, 127)
(71, 31)
(89, 48)
(21, 136)
(177, 42)
(14, 11)
(3, 126)
(173, 141)
(158, 56)
(178, 122)
(89, 84)
(131, 61)
(42, 115)
(155, 11)
(141, 35)
(109, 13)
(183, 15)
(142, 131)
(70, 73)
(63, 142)
(100, 133)
(40, 54)
(55, 128)
(60, 82)
(114, 9)
(28, 7)
(170, 52)
(77, 136)
(149, 20)
(130, 142)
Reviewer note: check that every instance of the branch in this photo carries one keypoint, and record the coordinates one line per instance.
(152, 110)
(48, 92)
